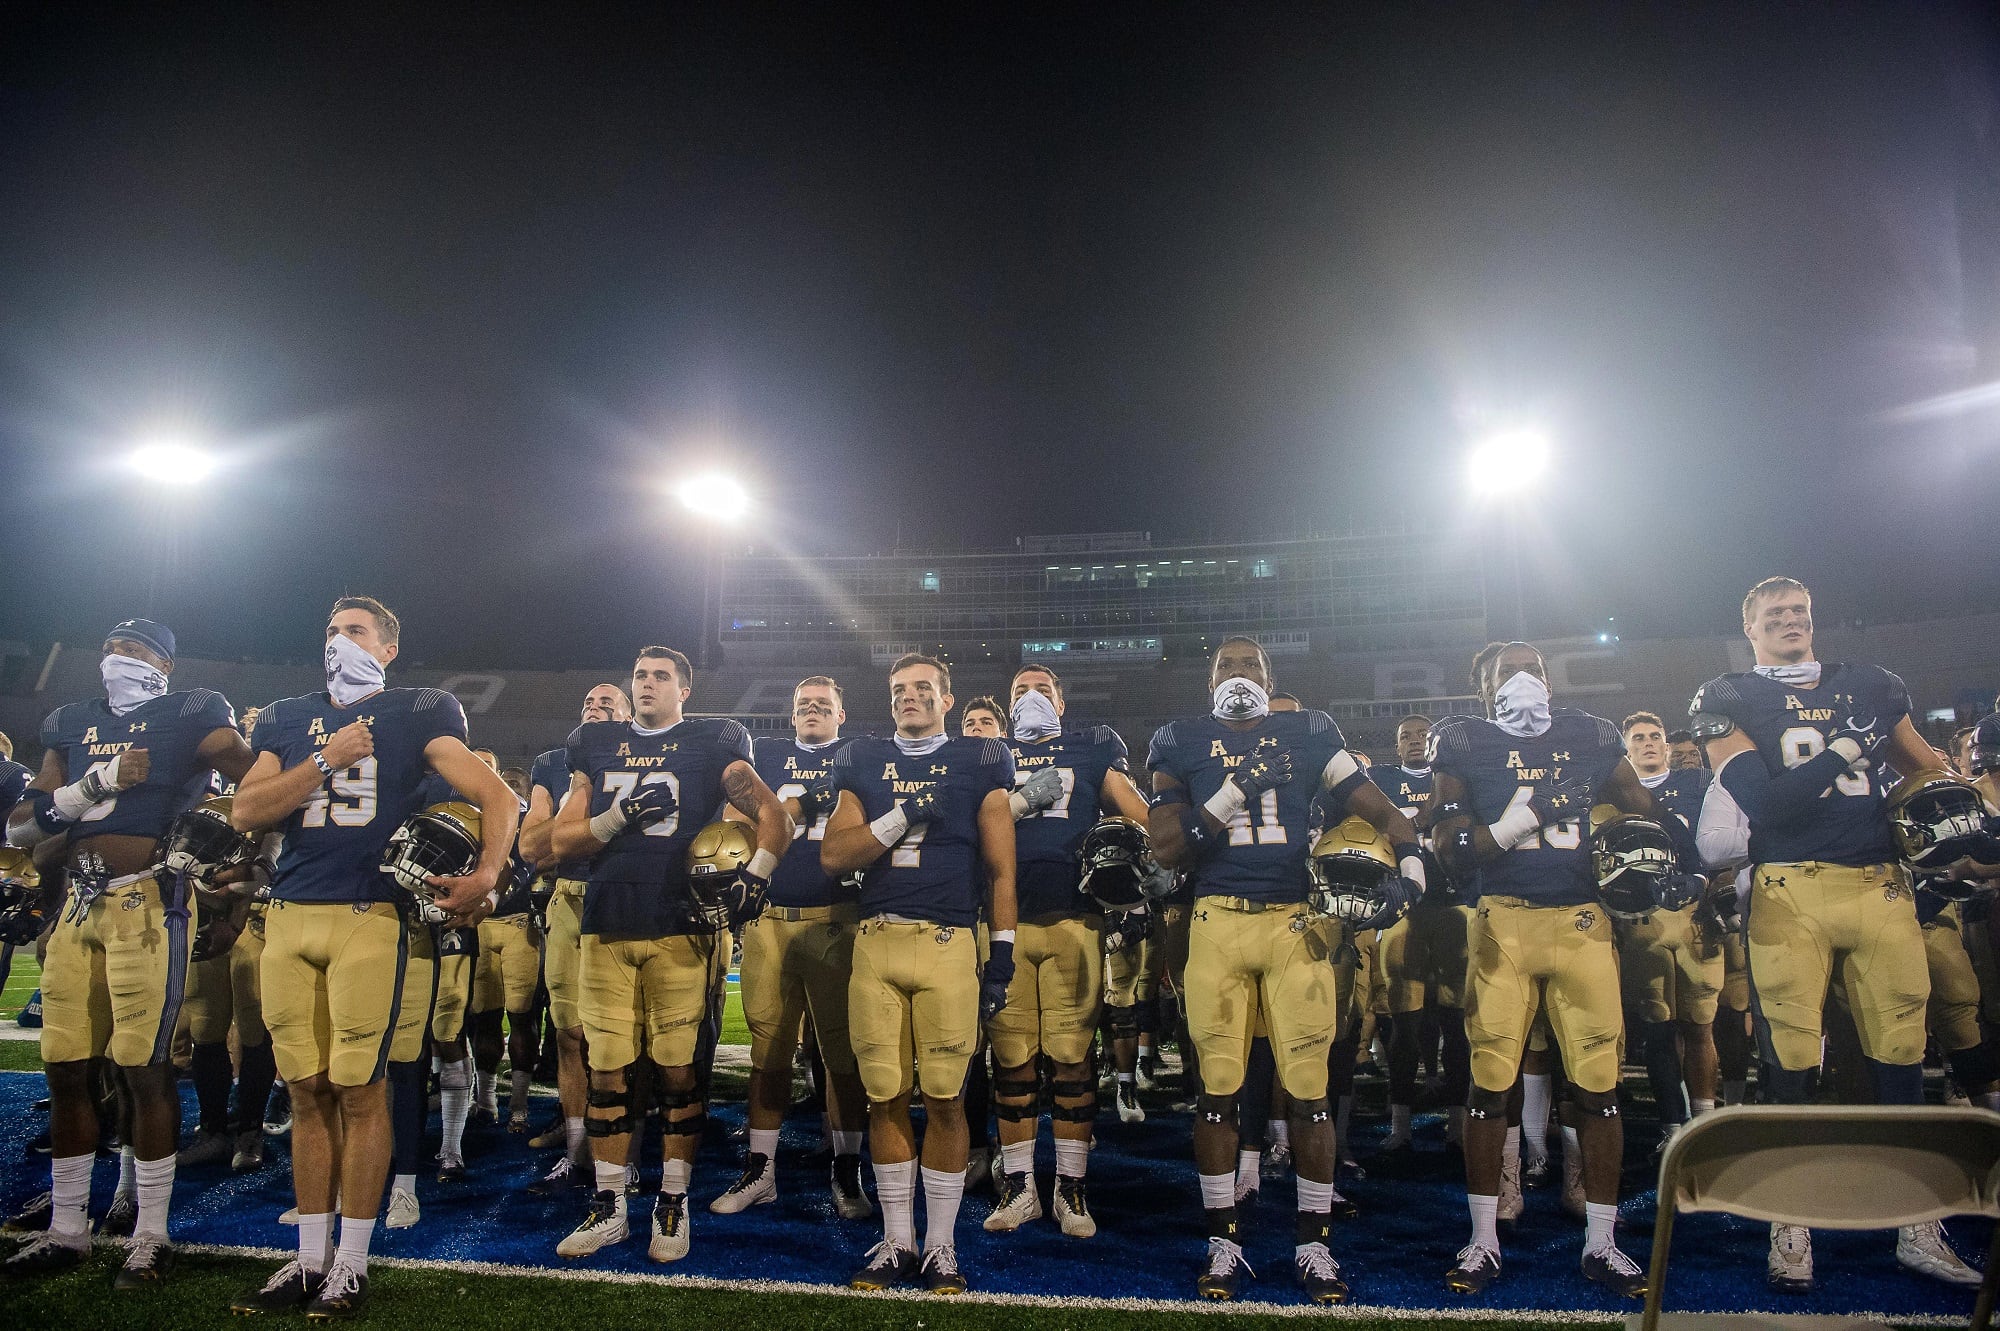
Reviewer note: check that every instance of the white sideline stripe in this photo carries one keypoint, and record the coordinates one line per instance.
(1245, 1307)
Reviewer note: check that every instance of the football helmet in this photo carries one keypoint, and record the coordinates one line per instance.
(20, 897)
(1117, 858)
(1937, 818)
(1631, 855)
(441, 840)
(1986, 745)
(200, 843)
(1353, 872)
(715, 856)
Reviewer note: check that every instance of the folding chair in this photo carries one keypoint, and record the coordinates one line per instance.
(1832, 1167)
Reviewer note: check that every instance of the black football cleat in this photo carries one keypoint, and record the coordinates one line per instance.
(1609, 1267)
(1319, 1274)
(147, 1263)
(889, 1265)
(1478, 1266)
(343, 1293)
(290, 1288)
(1224, 1268)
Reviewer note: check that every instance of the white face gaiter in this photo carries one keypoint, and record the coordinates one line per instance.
(1521, 706)
(129, 682)
(1241, 700)
(351, 673)
(1034, 718)
(1799, 674)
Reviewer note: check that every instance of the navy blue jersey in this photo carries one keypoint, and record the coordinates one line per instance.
(1789, 726)
(1500, 772)
(638, 880)
(170, 728)
(935, 872)
(14, 780)
(1681, 793)
(334, 841)
(1407, 790)
(1046, 841)
(1263, 850)
(551, 773)
(788, 767)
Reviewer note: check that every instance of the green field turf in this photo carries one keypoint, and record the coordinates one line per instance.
(22, 979)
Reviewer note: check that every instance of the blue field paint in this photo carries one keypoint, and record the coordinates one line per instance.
(1142, 1188)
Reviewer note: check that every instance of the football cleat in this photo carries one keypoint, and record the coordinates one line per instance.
(1923, 1249)
(603, 1224)
(1477, 1267)
(1319, 1274)
(249, 1152)
(941, 1273)
(290, 1288)
(563, 1174)
(1246, 1190)
(32, 1218)
(341, 1294)
(889, 1265)
(672, 1234)
(122, 1217)
(849, 1199)
(1534, 1170)
(147, 1262)
(403, 1210)
(631, 1180)
(1219, 1275)
(208, 1148)
(1611, 1268)
(1145, 1074)
(1020, 1201)
(45, 1254)
(451, 1169)
(978, 1168)
(1789, 1269)
(757, 1185)
(1511, 1203)
(1277, 1161)
(1072, 1211)
(278, 1117)
(1129, 1108)
(1340, 1208)
(556, 1135)
(517, 1123)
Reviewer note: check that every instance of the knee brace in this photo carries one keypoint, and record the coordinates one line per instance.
(1595, 1104)
(1218, 1111)
(1121, 1022)
(1085, 1090)
(618, 1126)
(1314, 1111)
(1897, 1083)
(1974, 1068)
(691, 1126)
(1014, 1101)
(1485, 1104)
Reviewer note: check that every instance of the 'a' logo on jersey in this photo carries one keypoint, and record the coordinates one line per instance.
(624, 751)
(889, 772)
(318, 727)
(90, 735)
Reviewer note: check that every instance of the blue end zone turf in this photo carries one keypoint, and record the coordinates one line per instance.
(1142, 1189)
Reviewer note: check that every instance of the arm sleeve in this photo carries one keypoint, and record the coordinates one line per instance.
(1786, 799)
(997, 765)
(574, 744)
(212, 712)
(1723, 835)
(839, 773)
(52, 729)
(543, 775)
(1896, 698)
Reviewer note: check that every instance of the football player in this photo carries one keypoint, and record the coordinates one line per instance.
(797, 957)
(1422, 956)
(1233, 792)
(548, 781)
(919, 815)
(339, 771)
(1067, 778)
(639, 792)
(1513, 794)
(223, 994)
(1802, 747)
(1671, 961)
(1682, 752)
(983, 718)
(116, 771)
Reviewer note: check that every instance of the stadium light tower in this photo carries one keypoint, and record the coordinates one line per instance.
(171, 461)
(718, 500)
(1501, 468)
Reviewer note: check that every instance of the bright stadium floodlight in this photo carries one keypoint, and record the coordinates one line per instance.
(714, 496)
(171, 462)
(1507, 462)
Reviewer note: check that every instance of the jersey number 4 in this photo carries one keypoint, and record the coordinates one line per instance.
(1566, 835)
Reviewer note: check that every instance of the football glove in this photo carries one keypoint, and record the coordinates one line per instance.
(649, 805)
(1858, 739)
(1038, 792)
(1127, 929)
(1397, 898)
(923, 806)
(746, 897)
(1258, 775)
(817, 798)
(1675, 890)
(1722, 899)
(1563, 798)
(994, 978)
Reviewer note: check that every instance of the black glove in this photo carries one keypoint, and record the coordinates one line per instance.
(1723, 900)
(1563, 798)
(1868, 735)
(649, 805)
(1258, 775)
(1396, 902)
(1672, 891)
(994, 979)
(1127, 929)
(923, 806)
(818, 797)
(745, 897)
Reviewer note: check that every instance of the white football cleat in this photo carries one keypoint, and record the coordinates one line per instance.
(1923, 1249)
(602, 1225)
(672, 1234)
(403, 1210)
(1020, 1202)
(1789, 1269)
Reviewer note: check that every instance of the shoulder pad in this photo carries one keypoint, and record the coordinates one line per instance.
(1318, 722)
(844, 755)
(1718, 691)
(1705, 726)
(1607, 732)
(1163, 738)
(1451, 735)
(427, 699)
(993, 752)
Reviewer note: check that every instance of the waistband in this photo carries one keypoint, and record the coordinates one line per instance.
(817, 914)
(1245, 906)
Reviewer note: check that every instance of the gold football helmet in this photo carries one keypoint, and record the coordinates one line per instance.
(715, 855)
(1352, 868)
(441, 840)
(1937, 818)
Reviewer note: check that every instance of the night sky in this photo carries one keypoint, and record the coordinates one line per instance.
(460, 296)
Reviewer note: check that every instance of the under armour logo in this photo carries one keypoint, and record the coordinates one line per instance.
(939, 769)
(1560, 757)
(1268, 742)
(136, 728)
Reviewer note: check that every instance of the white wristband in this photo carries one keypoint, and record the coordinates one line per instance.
(1017, 804)
(73, 800)
(610, 823)
(1412, 868)
(763, 864)
(1227, 802)
(889, 828)
(1513, 827)
(1001, 936)
(1847, 749)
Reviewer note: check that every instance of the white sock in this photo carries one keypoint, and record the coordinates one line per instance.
(675, 1175)
(1572, 1145)
(846, 1143)
(574, 1133)
(405, 1183)
(1399, 1123)
(1512, 1149)
(128, 1172)
(1734, 1091)
(896, 1190)
(1218, 1192)
(942, 1191)
(69, 1191)
(1315, 1198)
(610, 1178)
(521, 1081)
(483, 1082)
(1247, 1166)
(1017, 1157)
(156, 1193)
(1700, 1106)
(764, 1142)
(1280, 1133)
(1485, 1219)
(455, 1106)
(315, 1240)
(1599, 1223)
(1072, 1158)
(354, 1239)
(1535, 1093)
(1124, 1077)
